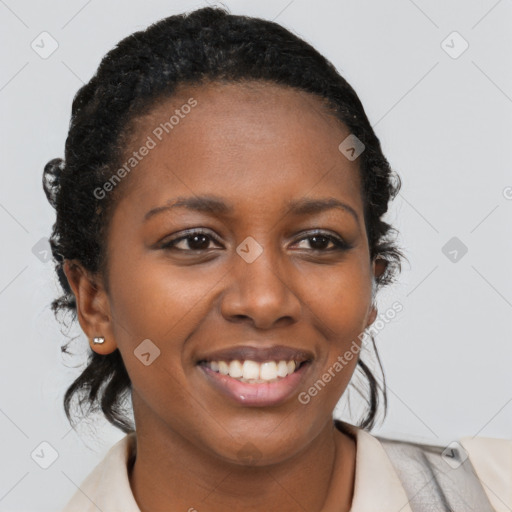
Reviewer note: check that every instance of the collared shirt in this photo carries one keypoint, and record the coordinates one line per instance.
(377, 486)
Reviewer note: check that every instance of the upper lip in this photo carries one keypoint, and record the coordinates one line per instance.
(258, 354)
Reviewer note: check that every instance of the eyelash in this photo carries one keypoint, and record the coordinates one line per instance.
(339, 244)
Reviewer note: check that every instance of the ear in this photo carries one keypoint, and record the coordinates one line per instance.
(379, 266)
(92, 306)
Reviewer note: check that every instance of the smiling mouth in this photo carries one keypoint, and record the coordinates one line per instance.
(254, 372)
(256, 376)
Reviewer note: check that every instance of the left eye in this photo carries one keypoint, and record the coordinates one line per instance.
(319, 242)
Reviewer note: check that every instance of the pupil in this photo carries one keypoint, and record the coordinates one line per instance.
(193, 242)
(323, 239)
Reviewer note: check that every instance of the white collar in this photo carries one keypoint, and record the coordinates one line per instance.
(377, 486)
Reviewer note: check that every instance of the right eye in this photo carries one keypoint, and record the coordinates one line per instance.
(196, 240)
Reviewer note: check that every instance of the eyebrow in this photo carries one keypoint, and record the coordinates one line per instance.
(214, 205)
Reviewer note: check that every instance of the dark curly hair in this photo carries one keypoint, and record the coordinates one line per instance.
(205, 45)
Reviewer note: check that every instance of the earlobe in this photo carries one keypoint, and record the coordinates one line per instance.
(92, 307)
(372, 316)
(379, 266)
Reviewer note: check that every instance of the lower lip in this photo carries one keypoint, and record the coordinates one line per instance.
(259, 395)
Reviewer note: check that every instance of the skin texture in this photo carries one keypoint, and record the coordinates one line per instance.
(256, 146)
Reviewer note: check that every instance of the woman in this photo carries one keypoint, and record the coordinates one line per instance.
(233, 132)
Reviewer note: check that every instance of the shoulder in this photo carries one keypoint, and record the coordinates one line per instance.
(492, 461)
(481, 466)
(107, 486)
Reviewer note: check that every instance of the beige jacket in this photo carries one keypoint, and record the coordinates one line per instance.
(377, 485)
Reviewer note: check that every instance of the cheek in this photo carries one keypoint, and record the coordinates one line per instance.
(159, 301)
(340, 299)
(342, 306)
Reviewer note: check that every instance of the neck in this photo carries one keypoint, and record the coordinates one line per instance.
(170, 473)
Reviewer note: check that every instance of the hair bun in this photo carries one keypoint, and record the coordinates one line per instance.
(51, 179)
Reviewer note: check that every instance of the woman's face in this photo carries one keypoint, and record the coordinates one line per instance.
(253, 274)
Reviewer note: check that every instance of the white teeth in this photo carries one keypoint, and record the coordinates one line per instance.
(251, 371)
(235, 369)
(223, 367)
(268, 371)
(282, 369)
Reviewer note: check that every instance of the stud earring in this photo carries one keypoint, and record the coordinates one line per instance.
(98, 339)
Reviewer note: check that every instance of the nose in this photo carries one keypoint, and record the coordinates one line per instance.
(260, 293)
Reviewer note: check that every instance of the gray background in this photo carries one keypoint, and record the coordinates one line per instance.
(445, 125)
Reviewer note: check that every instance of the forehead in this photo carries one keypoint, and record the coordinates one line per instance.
(248, 140)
